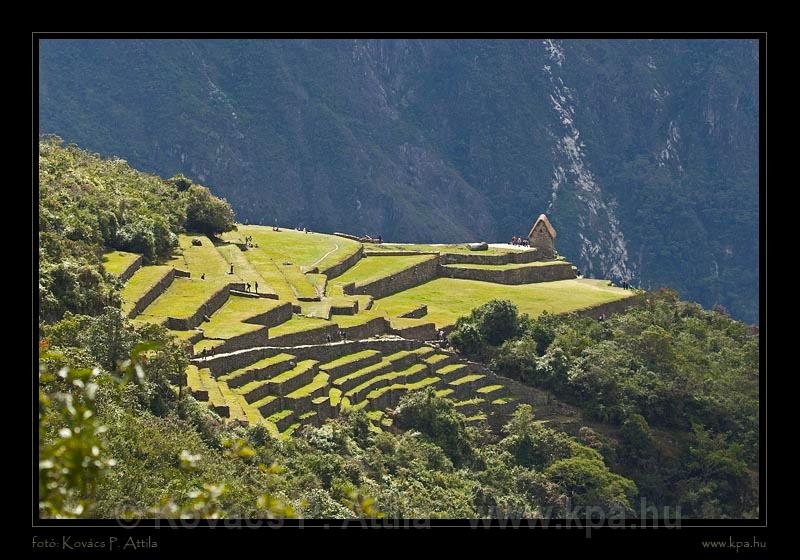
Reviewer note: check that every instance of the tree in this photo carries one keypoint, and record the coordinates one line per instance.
(180, 182)
(466, 338)
(206, 213)
(438, 419)
(531, 444)
(497, 321)
(589, 483)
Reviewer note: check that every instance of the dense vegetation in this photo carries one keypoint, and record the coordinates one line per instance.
(155, 451)
(670, 391)
(89, 205)
(448, 140)
(675, 385)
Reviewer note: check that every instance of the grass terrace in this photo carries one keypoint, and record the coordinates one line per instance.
(117, 262)
(374, 268)
(182, 299)
(140, 283)
(448, 298)
(230, 319)
(302, 249)
(296, 324)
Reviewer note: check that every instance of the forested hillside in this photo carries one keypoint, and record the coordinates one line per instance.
(666, 394)
(644, 153)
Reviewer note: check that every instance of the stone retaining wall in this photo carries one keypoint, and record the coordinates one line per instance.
(273, 317)
(220, 364)
(521, 275)
(416, 313)
(339, 269)
(425, 331)
(398, 253)
(317, 335)
(617, 306)
(515, 257)
(151, 294)
(257, 337)
(373, 327)
(213, 303)
(397, 282)
(133, 267)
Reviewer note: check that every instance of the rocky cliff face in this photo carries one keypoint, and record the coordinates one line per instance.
(644, 154)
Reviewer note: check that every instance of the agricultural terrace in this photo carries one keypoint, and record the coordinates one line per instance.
(448, 299)
(369, 269)
(282, 257)
(117, 262)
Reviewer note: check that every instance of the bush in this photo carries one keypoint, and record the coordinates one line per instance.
(206, 213)
(438, 419)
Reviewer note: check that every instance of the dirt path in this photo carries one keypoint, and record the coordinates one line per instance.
(323, 257)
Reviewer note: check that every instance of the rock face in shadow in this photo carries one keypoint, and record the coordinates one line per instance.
(640, 152)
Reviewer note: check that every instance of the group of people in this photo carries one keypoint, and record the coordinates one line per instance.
(342, 336)
(519, 241)
(248, 241)
(248, 286)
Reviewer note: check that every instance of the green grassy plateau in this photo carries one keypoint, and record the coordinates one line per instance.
(282, 391)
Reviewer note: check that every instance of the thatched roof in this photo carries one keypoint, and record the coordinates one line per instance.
(543, 219)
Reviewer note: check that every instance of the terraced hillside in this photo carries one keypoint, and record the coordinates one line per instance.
(286, 327)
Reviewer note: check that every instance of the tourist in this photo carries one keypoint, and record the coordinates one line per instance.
(203, 276)
(380, 239)
(231, 269)
(247, 289)
(256, 287)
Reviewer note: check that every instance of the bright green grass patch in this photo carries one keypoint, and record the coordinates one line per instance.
(229, 319)
(278, 358)
(447, 369)
(303, 249)
(476, 400)
(536, 264)
(489, 389)
(202, 259)
(243, 270)
(375, 415)
(390, 376)
(182, 299)
(366, 371)
(320, 380)
(117, 262)
(449, 298)
(140, 283)
(349, 358)
(503, 400)
(422, 383)
(184, 335)
(466, 379)
(444, 392)
(316, 309)
(335, 396)
(297, 323)
(374, 268)
(307, 415)
(301, 367)
(280, 415)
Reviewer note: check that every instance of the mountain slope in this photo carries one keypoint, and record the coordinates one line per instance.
(643, 153)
